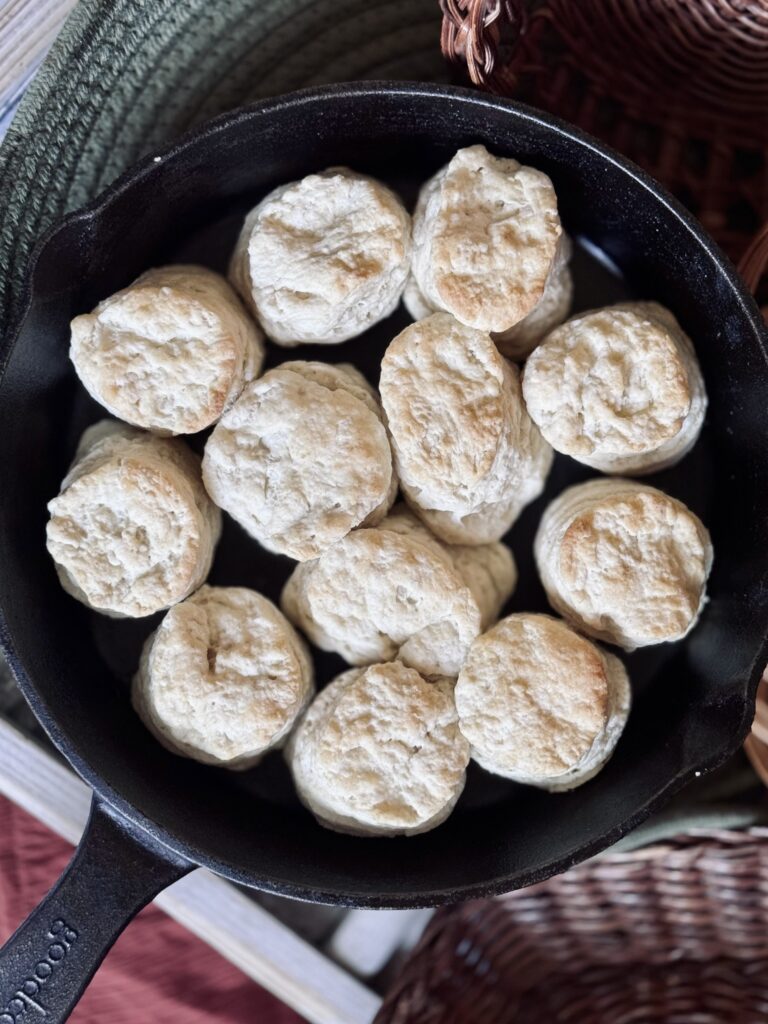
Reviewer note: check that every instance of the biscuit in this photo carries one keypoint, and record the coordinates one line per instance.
(540, 704)
(223, 678)
(132, 530)
(488, 570)
(323, 259)
(338, 376)
(485, 235)
(170, 352)
(619, 389)
(552, 308)
(468, 456)
(377, 595)
(624, 562)
(302, 458)
(379, 752)
(415, 304)
(347, 377)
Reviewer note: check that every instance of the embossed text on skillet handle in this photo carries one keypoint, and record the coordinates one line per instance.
(48, 961)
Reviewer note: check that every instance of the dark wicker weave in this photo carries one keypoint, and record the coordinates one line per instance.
(676, 933)
(680, 86)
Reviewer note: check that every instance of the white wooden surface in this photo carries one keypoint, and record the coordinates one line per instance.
(27, 29)
(366, 940)
(231, 923)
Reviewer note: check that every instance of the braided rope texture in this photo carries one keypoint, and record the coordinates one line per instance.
(126, 77)
(679, 86)
(675, 933)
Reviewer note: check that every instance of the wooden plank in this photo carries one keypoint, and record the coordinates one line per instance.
(231, 923)
(27, 30)
(366, 940)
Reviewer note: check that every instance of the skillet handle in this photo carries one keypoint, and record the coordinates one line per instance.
(49, 960)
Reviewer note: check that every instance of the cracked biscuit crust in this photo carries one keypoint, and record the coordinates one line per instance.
(223, 678)
(323, 259)
(540, 704)
(619, 389)
(170, 352)
(302, 458)
(379, 752)
(624, 562)
(378, 595)
(552, 308)
(488, 570)
(485, 234)
(519, 341)
(468, 456)
(132, 530)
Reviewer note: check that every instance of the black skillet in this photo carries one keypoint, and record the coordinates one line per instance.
(156, 815)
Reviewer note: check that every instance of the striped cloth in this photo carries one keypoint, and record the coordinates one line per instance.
(157, 971)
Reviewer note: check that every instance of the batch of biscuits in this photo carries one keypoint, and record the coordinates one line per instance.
(475, 396)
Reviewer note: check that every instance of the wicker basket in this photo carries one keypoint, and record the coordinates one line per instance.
(676, 933)
(679, 86)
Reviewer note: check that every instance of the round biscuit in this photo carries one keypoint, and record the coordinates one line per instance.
(618, 389)
(223, 678)
(519, 341)
(170, 352)
(624, 562)
(541, 704)
(485, 235)
(379, 752)
(302, 458)
(468, 456)
(132, 530)
(323, 259)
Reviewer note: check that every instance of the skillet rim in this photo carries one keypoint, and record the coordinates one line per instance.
(100, 206)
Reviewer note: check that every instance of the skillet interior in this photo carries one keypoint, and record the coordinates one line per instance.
(692, 700)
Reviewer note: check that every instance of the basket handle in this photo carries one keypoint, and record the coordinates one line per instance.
(472, 31)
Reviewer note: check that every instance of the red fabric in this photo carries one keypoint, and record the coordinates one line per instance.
(156, 971)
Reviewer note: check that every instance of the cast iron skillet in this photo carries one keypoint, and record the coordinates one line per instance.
(156, 815)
